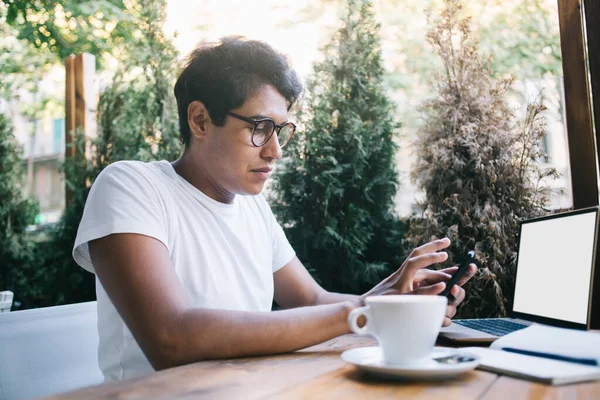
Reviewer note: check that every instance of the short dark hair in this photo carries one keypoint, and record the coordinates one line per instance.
(225, 74)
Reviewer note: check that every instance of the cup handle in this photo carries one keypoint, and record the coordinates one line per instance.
(353, 320)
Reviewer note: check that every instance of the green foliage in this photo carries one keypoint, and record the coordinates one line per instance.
(334, 190)
(16, 213)
(137, 114)
(522, 34)
(61, 280)
(479, 169)
(68, 27)
(22, 65)
(137, 120)
(525, 40)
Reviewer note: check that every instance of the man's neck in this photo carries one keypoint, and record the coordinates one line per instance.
(195, 174)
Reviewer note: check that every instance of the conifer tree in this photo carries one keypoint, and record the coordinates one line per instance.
(335, 187)
(16, 213)
(477, 166)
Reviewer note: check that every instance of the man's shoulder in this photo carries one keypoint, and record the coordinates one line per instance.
(133, 176)
(128, 167)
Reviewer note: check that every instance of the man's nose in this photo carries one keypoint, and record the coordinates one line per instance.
(272, 148)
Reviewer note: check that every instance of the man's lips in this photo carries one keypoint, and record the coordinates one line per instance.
(265, 170)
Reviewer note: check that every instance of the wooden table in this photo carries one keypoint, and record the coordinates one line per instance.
(318, 373)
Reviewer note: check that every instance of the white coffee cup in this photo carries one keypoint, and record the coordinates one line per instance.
(406, 326)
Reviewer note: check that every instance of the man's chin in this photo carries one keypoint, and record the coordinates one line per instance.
(253, 190)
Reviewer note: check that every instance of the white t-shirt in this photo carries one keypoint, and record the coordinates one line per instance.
(224, 254)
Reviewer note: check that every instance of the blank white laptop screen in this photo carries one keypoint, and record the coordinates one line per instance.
(554, 267)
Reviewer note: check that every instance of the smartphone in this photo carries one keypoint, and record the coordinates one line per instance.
(462, 269)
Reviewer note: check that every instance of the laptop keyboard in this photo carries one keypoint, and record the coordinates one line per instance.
(493, 326)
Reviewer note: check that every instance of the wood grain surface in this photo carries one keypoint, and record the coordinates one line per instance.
(317, 373)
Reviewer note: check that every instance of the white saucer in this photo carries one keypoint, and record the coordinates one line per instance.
(370, 359)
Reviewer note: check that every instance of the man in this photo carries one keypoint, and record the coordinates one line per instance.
(188, 255)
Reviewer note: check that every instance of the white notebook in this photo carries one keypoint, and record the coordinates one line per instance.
(533, 368)
(513, 355)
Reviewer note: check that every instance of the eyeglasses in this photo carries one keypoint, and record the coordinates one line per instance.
(264, 128)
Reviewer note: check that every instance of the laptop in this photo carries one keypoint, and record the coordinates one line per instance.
(554, 279)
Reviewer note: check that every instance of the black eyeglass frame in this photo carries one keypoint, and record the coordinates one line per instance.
(257, 122)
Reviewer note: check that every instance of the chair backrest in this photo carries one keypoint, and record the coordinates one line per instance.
(46, 351)
(6, 299)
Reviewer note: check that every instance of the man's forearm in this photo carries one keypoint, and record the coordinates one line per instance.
(331, 298)
(201, 334)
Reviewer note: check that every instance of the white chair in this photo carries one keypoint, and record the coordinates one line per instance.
(47, 351)
(6, 299)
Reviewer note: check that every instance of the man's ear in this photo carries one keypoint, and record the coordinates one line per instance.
(198, 119)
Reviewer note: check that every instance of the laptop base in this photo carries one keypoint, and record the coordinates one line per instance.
(459, 334)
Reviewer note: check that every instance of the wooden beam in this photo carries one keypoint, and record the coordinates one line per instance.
(592, 16)
(69, 119)
(85, 96)
(80, 105)
(79, 92)
(592, 19)
(69, 105)
(582, 149)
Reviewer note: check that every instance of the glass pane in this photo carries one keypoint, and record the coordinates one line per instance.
(523, 39)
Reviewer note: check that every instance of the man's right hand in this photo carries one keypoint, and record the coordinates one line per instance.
(413, 277)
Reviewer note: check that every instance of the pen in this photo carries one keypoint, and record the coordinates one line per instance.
(584, 361)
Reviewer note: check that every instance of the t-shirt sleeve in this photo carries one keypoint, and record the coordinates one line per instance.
(283, 252)
(121, 200)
